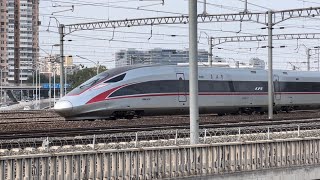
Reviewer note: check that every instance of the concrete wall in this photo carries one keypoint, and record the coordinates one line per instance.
(253, 159)
(292, 173)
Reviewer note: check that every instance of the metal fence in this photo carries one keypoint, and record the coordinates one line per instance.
(174, 137)
(163, 162)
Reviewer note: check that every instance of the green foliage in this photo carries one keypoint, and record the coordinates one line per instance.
(74, 80)
(83, 75)
(43, 79)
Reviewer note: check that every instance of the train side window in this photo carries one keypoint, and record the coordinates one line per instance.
(116, 79)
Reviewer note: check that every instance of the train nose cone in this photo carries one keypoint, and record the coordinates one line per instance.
(64, 108)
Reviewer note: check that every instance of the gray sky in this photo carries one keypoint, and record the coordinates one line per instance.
(86, 43)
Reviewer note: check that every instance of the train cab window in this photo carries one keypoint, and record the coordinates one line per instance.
(116, 79)
(285, 73)
(101, 78)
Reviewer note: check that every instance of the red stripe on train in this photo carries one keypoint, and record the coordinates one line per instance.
(104, 96)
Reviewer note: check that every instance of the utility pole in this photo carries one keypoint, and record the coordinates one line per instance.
(308, 58)
(98, 67)
(210, 52)
(1, 70)
(36, 102)
(61, 32)
(17, 53)
(50, 76)
(245, 7)
(54, 84)
(270, 72)
(318, 58)
(193, 72)
(204, 7)
(39, 102)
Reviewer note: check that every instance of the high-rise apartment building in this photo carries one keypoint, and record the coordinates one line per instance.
(156, 56)
(19, 38)
(3, 39)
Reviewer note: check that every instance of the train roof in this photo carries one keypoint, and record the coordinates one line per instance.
(277, 71)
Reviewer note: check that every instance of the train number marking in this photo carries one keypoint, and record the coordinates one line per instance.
(258, 89)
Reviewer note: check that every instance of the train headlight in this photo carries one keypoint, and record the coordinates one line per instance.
(63, 107)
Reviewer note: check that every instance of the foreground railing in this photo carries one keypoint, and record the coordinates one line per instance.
(172, 137)
(163, 162)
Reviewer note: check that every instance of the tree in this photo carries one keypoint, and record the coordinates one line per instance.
(73, 79)
(83, 75)
(43, 79)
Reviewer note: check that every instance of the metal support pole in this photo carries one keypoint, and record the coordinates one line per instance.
(193, 73)
(33, 84)
(136, 141)
(318, 59)
(210, 52)
(54, 85)
(65, 80)
(308, 59)
(94, 141)
(204, 7)
(21, 93)
(245, 6)
(237, 64)
(61, 32)
(98, 67)
(176, 137)
(205, 136)
(39, 88)
(36, 87)
(270, 73)
(1, 85)
(50, 76)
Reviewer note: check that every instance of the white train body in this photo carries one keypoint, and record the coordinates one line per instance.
(157, 90)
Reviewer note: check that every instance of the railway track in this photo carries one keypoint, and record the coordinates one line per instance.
(62, 129)
(85, 135)
(35, 124)
(25, 117)
(82, 131)
(23, 111)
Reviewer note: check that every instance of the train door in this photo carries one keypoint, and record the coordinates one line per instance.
(182, 95)
(276, 84)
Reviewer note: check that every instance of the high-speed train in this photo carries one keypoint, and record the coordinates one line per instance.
(131, 91)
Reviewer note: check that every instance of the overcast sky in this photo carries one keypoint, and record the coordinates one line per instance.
(96, 45)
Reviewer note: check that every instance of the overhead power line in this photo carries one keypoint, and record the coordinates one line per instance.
(278, 16)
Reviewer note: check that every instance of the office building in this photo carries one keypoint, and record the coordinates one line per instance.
(156, 56)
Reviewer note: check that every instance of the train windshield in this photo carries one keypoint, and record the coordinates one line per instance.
(99, 78)
(94, 80)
